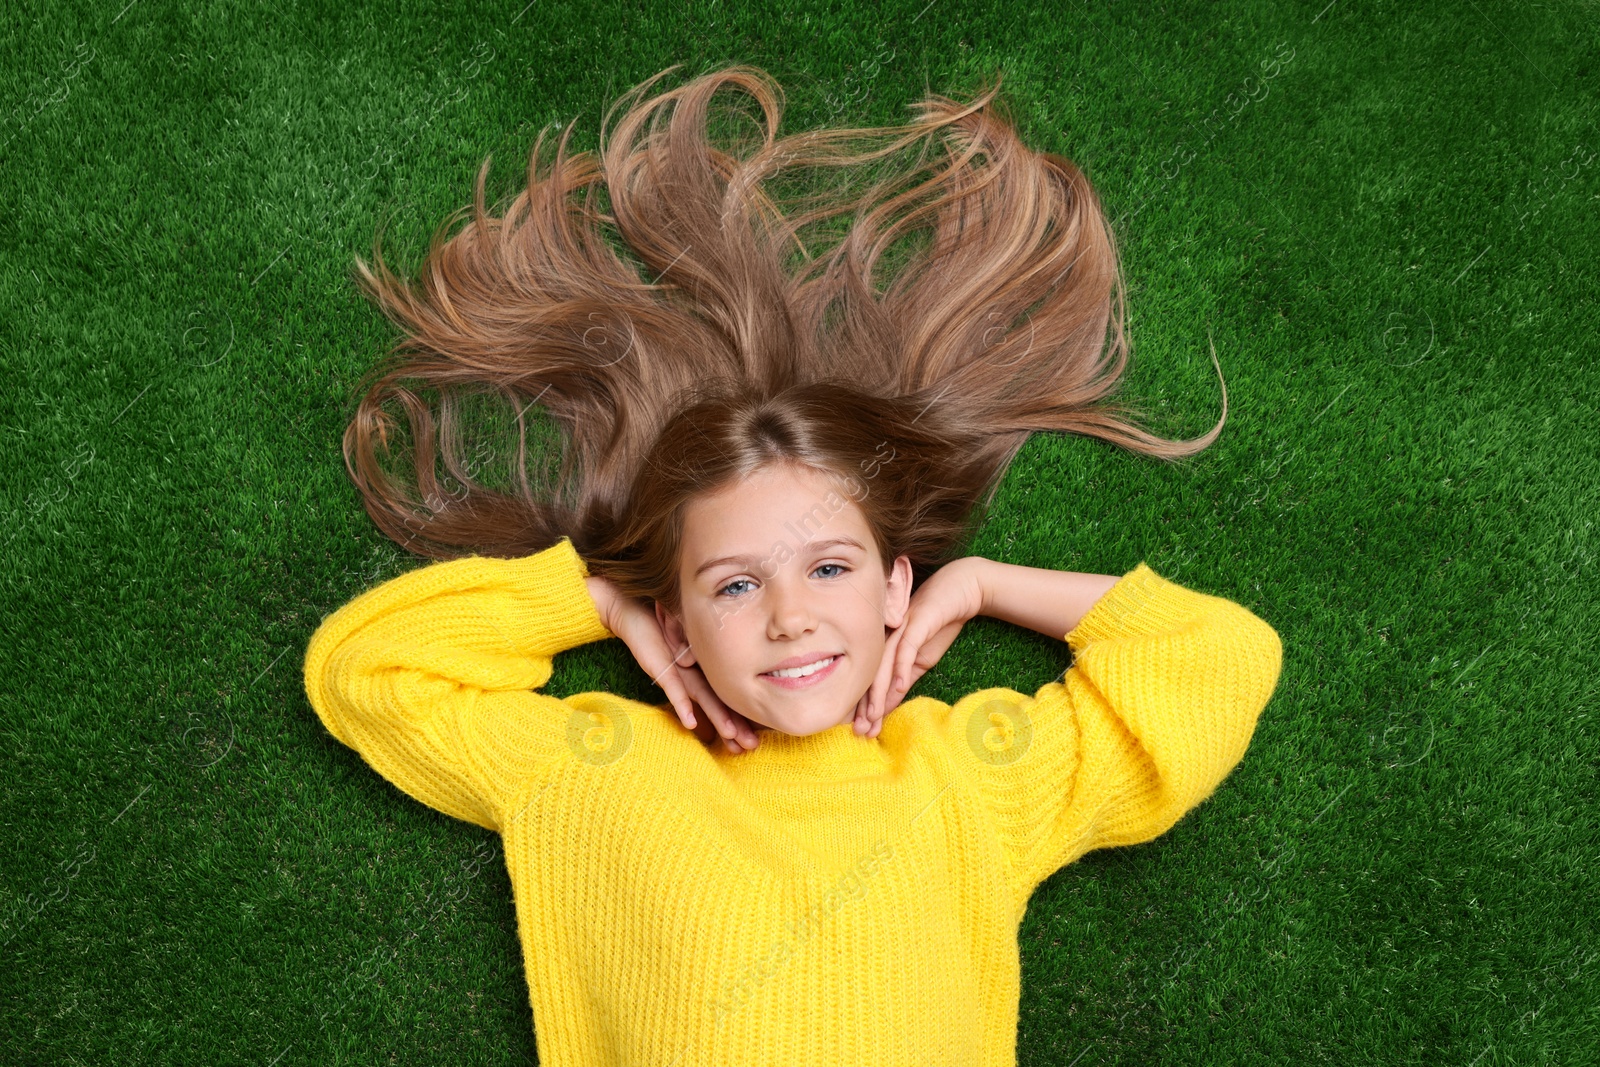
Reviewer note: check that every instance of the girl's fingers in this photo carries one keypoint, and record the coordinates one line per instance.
(714, 712)
(673, 687)
(880, 685)
(904, 657)
(735, 732)
(684, 686)
(905, 644)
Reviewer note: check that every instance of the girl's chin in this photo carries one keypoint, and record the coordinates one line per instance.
(802, 726)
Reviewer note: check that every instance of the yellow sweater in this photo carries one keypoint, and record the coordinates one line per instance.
(822, 900)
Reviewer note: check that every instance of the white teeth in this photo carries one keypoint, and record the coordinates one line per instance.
(801, 672)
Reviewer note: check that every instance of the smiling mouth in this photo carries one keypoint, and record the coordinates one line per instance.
(805, 677)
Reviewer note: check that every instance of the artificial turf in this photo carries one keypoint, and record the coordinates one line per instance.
(1376, 211)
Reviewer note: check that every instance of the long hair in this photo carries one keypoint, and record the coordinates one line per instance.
(696, 314)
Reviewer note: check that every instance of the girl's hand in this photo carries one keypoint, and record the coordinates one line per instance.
(685, 686)
(951, 595)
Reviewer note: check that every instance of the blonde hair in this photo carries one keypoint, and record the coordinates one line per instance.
(679, 326)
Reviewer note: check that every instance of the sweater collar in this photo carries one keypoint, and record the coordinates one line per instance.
(835, 753)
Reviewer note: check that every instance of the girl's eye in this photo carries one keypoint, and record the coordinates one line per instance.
(745, 581)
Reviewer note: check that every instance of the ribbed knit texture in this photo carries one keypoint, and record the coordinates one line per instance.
(822, 900)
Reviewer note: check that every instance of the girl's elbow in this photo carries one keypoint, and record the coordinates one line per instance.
(1257, 661)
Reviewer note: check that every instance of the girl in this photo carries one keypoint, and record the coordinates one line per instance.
(767, 467)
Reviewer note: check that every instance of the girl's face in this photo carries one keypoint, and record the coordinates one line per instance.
(782, 566)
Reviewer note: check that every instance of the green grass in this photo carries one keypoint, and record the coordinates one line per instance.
(1388, 250)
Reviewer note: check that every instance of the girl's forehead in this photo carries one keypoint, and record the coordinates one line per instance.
(789, 482)
(775, 513)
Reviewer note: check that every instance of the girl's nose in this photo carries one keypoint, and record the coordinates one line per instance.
(791, 614)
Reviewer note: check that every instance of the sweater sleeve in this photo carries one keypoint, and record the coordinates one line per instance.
(1158, 707)
(431, 676)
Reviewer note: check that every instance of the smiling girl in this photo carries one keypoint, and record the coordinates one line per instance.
(768, 467)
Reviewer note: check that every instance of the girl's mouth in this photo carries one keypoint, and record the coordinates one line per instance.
(809, 675)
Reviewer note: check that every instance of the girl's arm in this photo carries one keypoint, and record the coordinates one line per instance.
(431, 676)
(1049, 602)
(1157, 709)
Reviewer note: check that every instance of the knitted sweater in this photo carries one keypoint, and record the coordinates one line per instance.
(824, 899)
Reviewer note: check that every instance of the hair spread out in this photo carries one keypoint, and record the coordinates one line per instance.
(680, 325)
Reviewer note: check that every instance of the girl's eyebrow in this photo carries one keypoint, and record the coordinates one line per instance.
(812, 546)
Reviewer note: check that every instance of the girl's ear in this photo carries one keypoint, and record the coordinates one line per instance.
(899, 593)
(672, 630)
